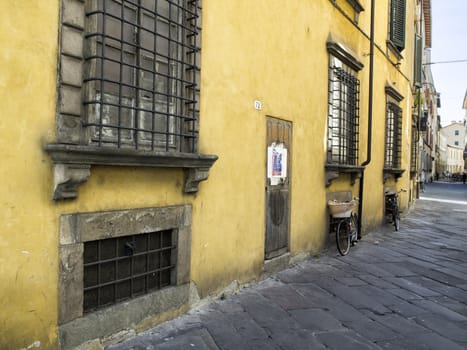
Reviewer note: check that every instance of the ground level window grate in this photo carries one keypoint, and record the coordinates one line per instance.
(117, 269)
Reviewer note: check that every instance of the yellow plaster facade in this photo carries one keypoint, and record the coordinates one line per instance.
(274, 52)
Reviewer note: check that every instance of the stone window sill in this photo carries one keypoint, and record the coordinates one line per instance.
(334, 170)
(394, 50)
(72, 164)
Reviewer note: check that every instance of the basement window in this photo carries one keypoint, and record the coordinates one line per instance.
(118, 269)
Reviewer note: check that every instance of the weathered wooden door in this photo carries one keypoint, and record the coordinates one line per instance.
(278, 160)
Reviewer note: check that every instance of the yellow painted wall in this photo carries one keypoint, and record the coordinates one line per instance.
(29, 219)
(28, 239)
(273, 51)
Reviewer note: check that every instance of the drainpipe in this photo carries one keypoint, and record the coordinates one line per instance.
(370, 119)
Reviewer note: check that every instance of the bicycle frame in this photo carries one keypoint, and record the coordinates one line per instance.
(392, 207)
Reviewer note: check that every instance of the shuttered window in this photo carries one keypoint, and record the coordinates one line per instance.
(418, 61)
(397, 24)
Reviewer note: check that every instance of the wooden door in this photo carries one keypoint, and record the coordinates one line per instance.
(278, 160)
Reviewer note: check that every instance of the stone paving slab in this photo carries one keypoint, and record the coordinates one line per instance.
(395, 290)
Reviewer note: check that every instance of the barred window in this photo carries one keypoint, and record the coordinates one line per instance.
(392, 157)
(117, 269)
(414, 150)
(343, 114)
(140, 74)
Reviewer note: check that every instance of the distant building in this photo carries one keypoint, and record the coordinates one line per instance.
(455, 159)
(454, 134)
(443, 155)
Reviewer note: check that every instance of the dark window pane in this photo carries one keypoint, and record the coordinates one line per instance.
(153, 281)
(139, 285)
(90, 276)
(141, 242)
(165, 278)
(123, 290)
(165, 258)
(107, 295)
(107, 249)
(107, 272)
(90, 300)
(166, 238)
(154, 241)
(124, 268)
(91, 251)
(139, 264)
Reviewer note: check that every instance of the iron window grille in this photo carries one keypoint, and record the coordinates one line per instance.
(414, 150)
(392, 157)
(343, 115)
(141, 74)
(117, 269)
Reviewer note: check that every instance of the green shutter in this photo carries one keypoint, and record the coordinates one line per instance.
(397, 25)
(417, 69)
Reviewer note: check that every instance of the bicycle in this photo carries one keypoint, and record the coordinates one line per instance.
(392, 207)
(344, 223)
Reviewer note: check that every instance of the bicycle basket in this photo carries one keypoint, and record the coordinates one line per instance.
(341, 209)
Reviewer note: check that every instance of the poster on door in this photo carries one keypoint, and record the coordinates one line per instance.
(277, 163)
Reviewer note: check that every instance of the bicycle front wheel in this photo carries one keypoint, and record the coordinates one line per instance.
(396, 218)
(343, 237)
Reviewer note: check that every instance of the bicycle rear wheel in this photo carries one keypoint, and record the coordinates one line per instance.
(396, 218)
(343, 237)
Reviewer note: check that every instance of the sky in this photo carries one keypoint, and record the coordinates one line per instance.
(449, 42)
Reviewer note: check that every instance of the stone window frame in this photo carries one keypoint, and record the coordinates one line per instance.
(393, 97)
(75, 327)
(71, 152)
(349, 58)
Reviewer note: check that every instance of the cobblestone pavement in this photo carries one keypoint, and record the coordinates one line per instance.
(395, 290)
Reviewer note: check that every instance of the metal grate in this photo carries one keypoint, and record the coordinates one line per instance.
(414, 150)
(141, 74)
(392, 157)
(343, 117)
(122, 268)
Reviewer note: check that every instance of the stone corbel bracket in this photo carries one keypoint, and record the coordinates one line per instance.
(67, 178)
(395, 172)
(193, 177)
(72, 164)
(332, 172)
